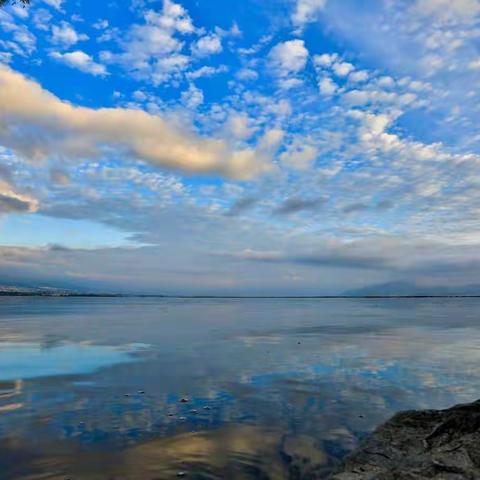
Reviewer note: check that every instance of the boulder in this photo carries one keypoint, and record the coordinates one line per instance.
(414, 445)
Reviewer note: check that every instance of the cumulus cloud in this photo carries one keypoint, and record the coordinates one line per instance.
(38, 125)
(206, 71)
(289, 57)
(153, 50)
(327, 86)
(299, 154)
(239, 126)
(54, 3)
(208, 45)
(342, 69)
(359, 76)
(65, 35)
(193, 97)
(81, 61)
(307, 11)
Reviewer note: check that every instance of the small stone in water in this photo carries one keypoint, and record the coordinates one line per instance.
(141, 392)
(181, 474)
(193, 410)
(206, 407)
(184, 400)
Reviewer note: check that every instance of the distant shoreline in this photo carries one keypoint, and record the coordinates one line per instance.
(293, 297)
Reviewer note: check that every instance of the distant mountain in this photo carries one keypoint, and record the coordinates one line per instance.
(20, 290)
(412, 289)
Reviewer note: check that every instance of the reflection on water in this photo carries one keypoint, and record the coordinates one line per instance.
(29, 360)
(274, 389)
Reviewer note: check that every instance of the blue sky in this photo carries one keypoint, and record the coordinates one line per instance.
(284, 147)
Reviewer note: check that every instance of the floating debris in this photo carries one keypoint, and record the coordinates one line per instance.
(181, 474)
(184, 400)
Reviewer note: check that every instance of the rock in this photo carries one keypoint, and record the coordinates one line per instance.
(181, 474)
(184, 400)
(416, 445)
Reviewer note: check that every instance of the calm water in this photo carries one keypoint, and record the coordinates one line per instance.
(276, 389)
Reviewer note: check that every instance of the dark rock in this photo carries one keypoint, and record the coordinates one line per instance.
(184, 400)
(416, 445)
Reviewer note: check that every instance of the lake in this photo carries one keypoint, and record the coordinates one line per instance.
(160, 388)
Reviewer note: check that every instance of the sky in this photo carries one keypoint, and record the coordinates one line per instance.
(288, 147)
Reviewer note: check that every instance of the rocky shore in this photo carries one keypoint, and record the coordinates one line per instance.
(433, 444)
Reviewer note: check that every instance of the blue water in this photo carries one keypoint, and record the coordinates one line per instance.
(91, 388)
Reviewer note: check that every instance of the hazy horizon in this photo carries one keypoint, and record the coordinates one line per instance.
(295, 147)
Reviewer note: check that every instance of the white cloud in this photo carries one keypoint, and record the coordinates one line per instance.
(23, 42)
(307, 11)
(193, 97)
(342, 69)
(206, 71)
(174, 17)
(5, 57)
(26, 39)
(37, 125)
(474, 64)
(207, 45)
(327, 86)
(41, 19)
(101, 24)
(153, 50)
(299, 154)
(81, 61)
(447, 10)
(54, 3)
(386, 82)
(246, 74)
(289, 57)
(65, 35)
(359, 76)
(325, 59)
(239, 126)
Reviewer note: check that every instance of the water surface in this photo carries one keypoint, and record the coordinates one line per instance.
(92, 388)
